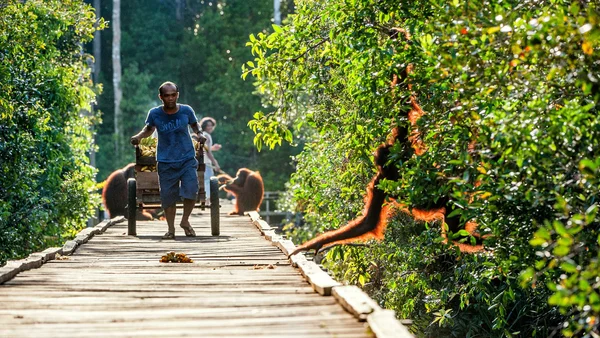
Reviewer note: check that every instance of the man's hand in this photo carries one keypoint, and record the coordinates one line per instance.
(135, 140)
(201, 138)
(147, 131)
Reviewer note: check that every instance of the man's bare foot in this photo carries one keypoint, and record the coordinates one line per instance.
(187, 228)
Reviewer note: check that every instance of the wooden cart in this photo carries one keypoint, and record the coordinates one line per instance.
(143, 191)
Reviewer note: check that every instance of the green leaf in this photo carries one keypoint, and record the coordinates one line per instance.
(561, 250)
(568, 267)
(361, 280)
(537, 241)
(559, 228)
(277, 28)
(463, 233)
(455, 212)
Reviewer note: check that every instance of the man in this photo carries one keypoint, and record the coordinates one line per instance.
(175, 155)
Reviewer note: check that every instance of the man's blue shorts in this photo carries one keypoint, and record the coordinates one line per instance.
(177, 180)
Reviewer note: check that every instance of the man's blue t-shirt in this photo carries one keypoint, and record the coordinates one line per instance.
(174, 141)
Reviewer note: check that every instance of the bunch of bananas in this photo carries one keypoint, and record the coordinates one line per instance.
(148, 146)
(172, 257)
(148, 149)
(148, 168)
(196, 144)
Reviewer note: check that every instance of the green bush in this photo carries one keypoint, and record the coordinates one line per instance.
(46, 183)
(519, 80)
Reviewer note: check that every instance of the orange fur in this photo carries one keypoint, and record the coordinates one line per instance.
(374, 219)
(114, 194)
(248, 189)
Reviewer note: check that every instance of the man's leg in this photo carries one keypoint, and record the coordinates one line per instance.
(170, 215)
(188, 206)
(169, 193)
(189, 191)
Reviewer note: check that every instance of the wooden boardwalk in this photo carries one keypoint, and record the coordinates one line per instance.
(239, 285)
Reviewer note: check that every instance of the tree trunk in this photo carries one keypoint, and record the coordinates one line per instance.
(96, 78)
(178, 10)
(97, 43)
(116, 61)
(96, 67)
(277, 12)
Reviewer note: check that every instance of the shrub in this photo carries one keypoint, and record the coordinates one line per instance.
(519, 81)
(46, 183)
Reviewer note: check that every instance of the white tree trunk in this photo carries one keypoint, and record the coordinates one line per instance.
(116, 61)
(97, 43)
(178, 10)
(277, 12)
(96, 68)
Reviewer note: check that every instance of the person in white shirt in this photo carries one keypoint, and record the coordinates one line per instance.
(208, 124)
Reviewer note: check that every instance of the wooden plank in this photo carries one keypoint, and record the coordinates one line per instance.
(102, 226)
(35, 260)
(146, 180)
(355, 301)
(319, 279)
(254, 216)
(384, 324)
(286, 246)
(297, 259)
(12, 268)
(220, 328)
(8, 272)
(145, 160)
(50, 253)
(270, 235)
(69, 247)
(84, 235)
(263, 226)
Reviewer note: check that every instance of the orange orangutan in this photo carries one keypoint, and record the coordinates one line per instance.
(114, 194)
(248, 189)
(379, 207)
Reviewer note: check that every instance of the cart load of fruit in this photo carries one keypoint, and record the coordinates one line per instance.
(172, 257)
(148, 149)
(148, 146)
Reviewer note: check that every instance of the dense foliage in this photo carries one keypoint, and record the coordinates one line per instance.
(519, 79)
(201, 49)
(46, 183)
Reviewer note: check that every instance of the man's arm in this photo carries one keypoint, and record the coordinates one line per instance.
(196, 129)
(147, 131)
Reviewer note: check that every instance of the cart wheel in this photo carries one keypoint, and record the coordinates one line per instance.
(214, 207)
(131, 206)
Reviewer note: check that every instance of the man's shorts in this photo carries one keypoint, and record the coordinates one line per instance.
(177, 180)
